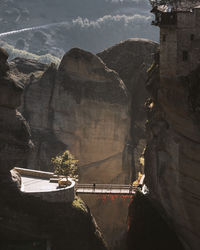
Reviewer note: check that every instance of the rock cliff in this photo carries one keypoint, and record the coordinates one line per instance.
(147, 228)
(172, 154)
(131, 60)
(82, 106)
(85, 106)
(26, 220)
(14, 132)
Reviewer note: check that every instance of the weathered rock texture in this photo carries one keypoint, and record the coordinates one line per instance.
(82, 106)
(14, 132)
(172, 155)
(147, 229)
(91, 109)
(25, 218)
(131, 60)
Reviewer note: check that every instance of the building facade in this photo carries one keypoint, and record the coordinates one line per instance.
(179, 40)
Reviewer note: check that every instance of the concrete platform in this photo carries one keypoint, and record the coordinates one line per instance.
(31, 184)
(37, 183)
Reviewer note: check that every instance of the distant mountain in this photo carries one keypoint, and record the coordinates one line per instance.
(89, 24)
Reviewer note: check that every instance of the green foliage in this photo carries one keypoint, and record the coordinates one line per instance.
(65, 164)
(79, 205)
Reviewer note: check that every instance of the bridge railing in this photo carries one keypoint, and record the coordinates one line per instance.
(100, 185)
(105, 186)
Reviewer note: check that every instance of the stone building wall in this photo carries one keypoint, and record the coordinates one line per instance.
(179, 44)
(168, 48)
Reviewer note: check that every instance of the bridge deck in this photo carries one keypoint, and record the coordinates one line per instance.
(105, 189)
(39, 181)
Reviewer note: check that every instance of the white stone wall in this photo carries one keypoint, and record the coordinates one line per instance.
(61, 195)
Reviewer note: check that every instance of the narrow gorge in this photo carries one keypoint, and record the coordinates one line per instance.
(128, 112)
(88, 108)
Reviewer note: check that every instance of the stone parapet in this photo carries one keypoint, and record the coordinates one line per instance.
(66, 194)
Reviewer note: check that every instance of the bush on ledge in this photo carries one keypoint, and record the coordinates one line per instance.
(65, 164)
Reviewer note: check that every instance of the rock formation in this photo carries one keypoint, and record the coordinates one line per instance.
(84, 106)
(172, 154)
(147, 228)
(131, 60)
(14, 132)
(26, 220)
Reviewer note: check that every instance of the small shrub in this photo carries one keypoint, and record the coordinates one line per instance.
(79, 205)
(65, 164)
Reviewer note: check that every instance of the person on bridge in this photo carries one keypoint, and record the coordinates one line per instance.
(131, 187)
(94, 185)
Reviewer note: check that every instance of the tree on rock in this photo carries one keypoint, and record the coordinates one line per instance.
(65, 164)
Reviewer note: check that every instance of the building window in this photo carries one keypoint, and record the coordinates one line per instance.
(164, 38)
(185, 55)
(192, 37)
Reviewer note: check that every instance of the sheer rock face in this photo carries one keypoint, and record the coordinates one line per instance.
(131, 60)
(172, 155)
(25, 218)
(82, 106)
(10, 90)
(91, 107)
(145, 222)
(14, 131)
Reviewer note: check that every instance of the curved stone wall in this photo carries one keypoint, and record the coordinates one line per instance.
(66, 194)
(61, 195)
